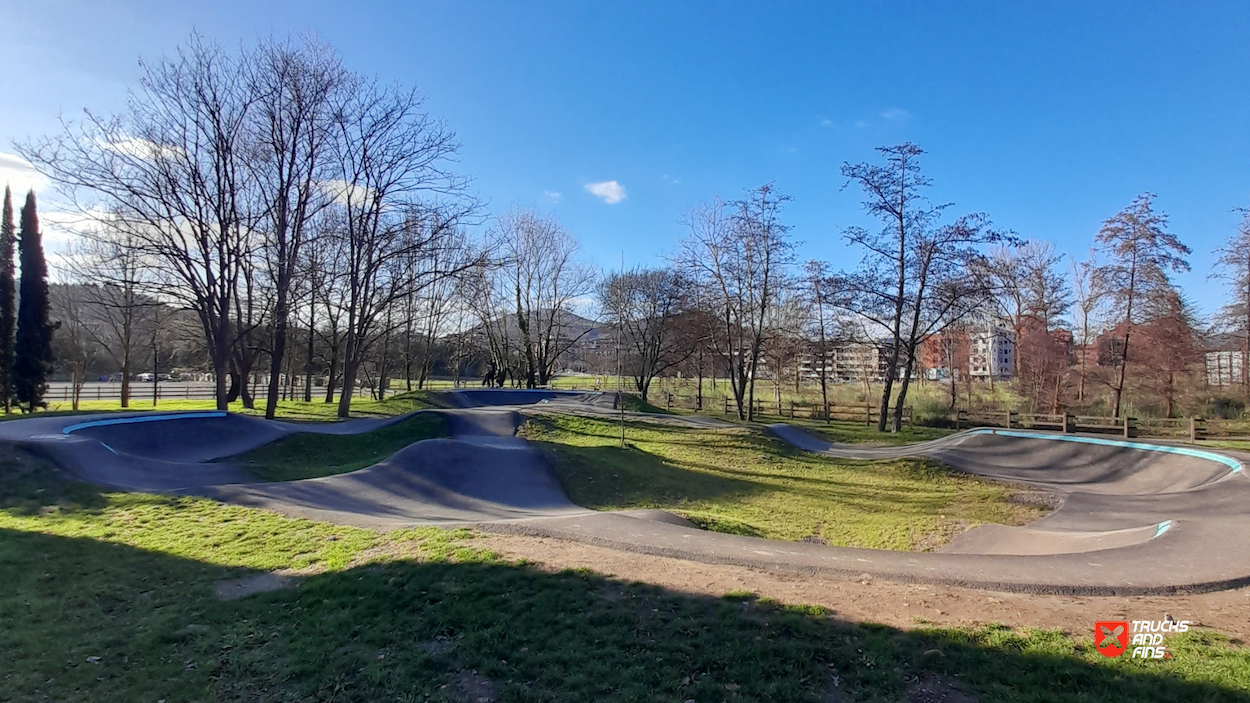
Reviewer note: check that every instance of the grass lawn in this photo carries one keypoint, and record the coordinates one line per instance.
(110, 597)
(309, 455)
(843, 432)
(742, 481)
(317, 410)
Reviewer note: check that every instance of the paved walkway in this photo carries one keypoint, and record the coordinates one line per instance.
(1134, 518)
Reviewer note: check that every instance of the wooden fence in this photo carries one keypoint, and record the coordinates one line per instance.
(1183, 428)
(1192, 429)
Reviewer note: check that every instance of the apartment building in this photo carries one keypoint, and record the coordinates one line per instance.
(991, 352)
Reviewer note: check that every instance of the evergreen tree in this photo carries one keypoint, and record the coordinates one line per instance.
(8, 300)
(32, 349)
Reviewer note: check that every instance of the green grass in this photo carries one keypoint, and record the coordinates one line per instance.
(636, 404)
(310, 455)
(741, 481)
(842, 432)
(110, 597)
(316, 411)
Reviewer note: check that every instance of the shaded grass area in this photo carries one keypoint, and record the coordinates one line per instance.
(636, 404)
(310, 455)
(742, 481)
(316, 411)
(109, 597)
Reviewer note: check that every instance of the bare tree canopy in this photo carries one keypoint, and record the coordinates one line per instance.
(170, 170)
(739, 254)
(1233, 267)
(916, 277)
(225, 166)
(542, 280)
(645, 305)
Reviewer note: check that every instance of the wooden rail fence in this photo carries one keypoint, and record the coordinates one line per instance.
(1190, 428)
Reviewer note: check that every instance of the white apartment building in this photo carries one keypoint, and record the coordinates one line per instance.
(1224, 367)
(992, 352)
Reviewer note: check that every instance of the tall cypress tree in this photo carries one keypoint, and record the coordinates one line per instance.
(32, 349)
(8, 300)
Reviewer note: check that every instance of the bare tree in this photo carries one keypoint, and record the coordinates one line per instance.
(1139, 253)
(1089, 296)
(69, 314)
(1233, 267)
(426, 312)
(785, 341)
(916, 278)
(1028, 283)
(294, 85)
(489, 303)
(816, 280)
(739, 256)
(170, 170)
(544, 280)
(398, 200)
(109, 261)
(644, 304)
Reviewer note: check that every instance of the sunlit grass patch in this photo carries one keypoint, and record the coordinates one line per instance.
(742, 481)
(310, 455)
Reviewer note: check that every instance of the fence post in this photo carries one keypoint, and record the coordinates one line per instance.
(826, 412)
(1069, 423)
(1193, 429)
(867, 413)
(1128, 425)
(1009, 414)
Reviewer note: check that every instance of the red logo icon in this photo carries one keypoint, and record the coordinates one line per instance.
(1111, 637)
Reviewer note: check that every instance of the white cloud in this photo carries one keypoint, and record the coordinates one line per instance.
(671, 179)
(143, 149)
(861, 124)
(895, 113)
(609, 192)
(342, 191)
(20, 175)
(552, 196)
(826, 122)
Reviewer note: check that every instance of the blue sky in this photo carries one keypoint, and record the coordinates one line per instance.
(1048, 116)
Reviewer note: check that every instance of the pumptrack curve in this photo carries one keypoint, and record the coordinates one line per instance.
(1133, 518)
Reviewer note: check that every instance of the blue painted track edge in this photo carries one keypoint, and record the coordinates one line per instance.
(142, 418)
(1228, 461)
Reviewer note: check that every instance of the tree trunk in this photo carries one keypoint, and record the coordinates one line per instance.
(330, 378)
(902, 391)
(126, 376)
(278, 355)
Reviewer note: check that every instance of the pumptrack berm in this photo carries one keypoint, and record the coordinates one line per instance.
(1134, 518)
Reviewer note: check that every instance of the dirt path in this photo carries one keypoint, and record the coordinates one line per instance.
(895, 604)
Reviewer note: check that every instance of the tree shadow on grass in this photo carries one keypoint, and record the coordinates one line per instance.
(31, 482)
(605, 477)
(86, 620)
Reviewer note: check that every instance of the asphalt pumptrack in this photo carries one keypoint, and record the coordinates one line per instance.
(1134, 518)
